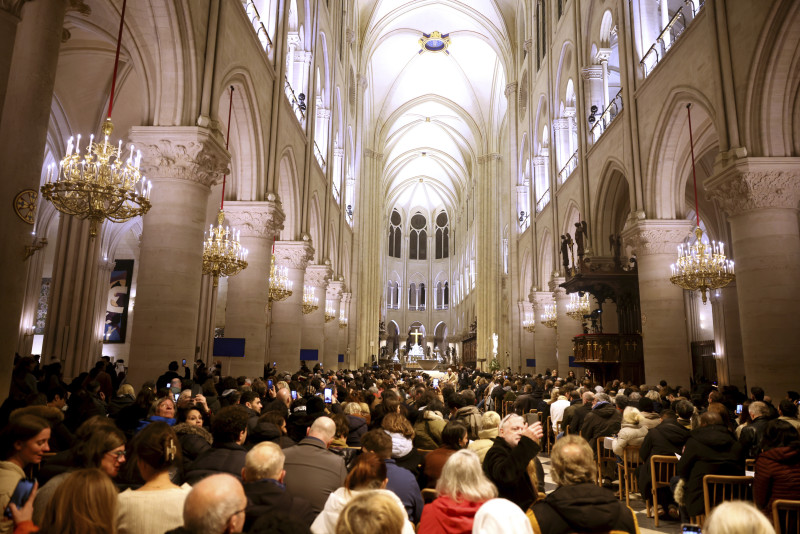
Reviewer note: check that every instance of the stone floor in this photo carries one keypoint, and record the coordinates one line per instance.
(646, 524)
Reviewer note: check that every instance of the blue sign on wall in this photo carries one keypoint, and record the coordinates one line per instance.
(232, 347)
(341, 358)
(530, 362)
(309, 355)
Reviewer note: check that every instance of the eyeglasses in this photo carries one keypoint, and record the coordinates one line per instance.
(118, 455)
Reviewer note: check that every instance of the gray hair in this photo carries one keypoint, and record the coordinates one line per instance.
(758, 409)
(463, 478)
(265, 460)
(602, 397)
(653, 395)
(587, 396)
(489, 420)
(733, 517)
(572, 462)
(211, 504)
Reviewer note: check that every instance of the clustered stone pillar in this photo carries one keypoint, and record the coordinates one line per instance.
(316, 279)
(183, 163)
(544, 339)
(760, 197)
(248, 291)
(31, 39)
(664, 337)
(285, 332)
(334, 296)
(345, 338)
(567, 326)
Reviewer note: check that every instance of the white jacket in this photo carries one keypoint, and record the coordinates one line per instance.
(325, 523)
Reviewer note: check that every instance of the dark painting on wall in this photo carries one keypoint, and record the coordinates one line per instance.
(119, 292)
(41, 307)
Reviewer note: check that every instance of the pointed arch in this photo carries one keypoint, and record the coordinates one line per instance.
(289, 193)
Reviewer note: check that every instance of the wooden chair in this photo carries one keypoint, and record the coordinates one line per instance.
(720, 488)
(662, 469)
(627, 472)
(508, 407)
(604, 457)
(786, 516)
(548, 430)
(429, 495)
(750, 464)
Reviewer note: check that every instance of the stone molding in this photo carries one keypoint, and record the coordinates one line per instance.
(256, 219)
(563, 123)
(301, 56)
(539, 299)
(362, 81)
(486, 158)
(559, 293)
(595, 72)
(657, 236)
(604, 54)
(350, 36)
(323, 113)
(346, 298)
(756, 183)
(541, 159)
(510, 89)
(369, 153)
(293, 254)
(187, 153)
(528, 45)
(338, 152)
(318, 275)
(14, 7)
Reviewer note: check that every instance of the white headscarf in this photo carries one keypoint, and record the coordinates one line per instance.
(501, 516)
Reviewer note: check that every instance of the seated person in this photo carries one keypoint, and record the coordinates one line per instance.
(578, 504)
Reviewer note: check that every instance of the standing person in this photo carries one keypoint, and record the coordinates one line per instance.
(506, 463)
(23, 442)
(158, 505)
(86, 503)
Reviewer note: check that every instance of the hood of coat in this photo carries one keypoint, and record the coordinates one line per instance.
(467, 411)
(716, 437)
(586, 507)
(605, 410)
(401, 445)
(433, 415)
(784, 455)
(455, 516)
(187, 429)
(489, 433)
(355, 422)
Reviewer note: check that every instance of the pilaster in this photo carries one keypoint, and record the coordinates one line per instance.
(333, 295)
(544, 339)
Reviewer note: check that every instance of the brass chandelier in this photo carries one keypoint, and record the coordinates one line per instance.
(280, 287)
(223, 254)
(529, 322)
(700, 266)
(99, 184)
(330, 312)
(578, 306)
(550, 316)
(310, 301)
(342, 319)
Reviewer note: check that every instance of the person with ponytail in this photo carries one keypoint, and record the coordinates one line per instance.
(157, 506)
(367, 474)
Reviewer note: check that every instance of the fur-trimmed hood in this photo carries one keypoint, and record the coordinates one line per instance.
(185, 429)
(48, 413)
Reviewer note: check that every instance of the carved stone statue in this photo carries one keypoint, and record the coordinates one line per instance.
(616, 245)
(581, 238)
(565, 252)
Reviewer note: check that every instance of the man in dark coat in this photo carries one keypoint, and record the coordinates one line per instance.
(666, 439)
(578, 505)
(227, 453)
(525, 402)
(575, 414)
(603, 420)
(753, 433)
(312, 471)
(506, 462)
(263, 476)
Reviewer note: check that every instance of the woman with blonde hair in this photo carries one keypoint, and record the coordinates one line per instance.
(632, 433)
(462, 489)
(368, 473)
(85, 503)
(158, 505)
(490, 427)
(371, 512)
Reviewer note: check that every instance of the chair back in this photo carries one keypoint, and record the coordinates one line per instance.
(548, 434)
(429, 495)
(786, 516)
(662, 469)
(508, 407)
(604, 457)
(531, 417)
(720, 488)
(628, 472)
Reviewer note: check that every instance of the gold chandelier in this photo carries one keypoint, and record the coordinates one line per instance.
(280, 287)
(310, 301)
(578, 306)
(701, 267)
(330, 312)
(529, 322)
(342, 320)
(550, 316)
(100, 184)
(223, 254)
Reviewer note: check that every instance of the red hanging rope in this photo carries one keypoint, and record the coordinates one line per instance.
(116, 59)
(694, 177)
(227, 140)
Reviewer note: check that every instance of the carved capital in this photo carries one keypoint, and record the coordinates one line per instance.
(181, 152)
(334, 291)
(293, 254)
(563, 123)
(528, 45)
(80, 6)
(595, 72)
(14, 7)
(656, 236)
(369, 153)
(510, 89)
(486, 158)
(323, 113)
(350, 36)
(362, 81)
(603, 55)
(346, 298)
(539, 299)
(756, 183)
(338, 152)
(559, 293)
(256, 219)
(318, 275)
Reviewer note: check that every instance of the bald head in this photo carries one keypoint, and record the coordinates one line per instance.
(215, 506)
(285, 396)
(324, 429)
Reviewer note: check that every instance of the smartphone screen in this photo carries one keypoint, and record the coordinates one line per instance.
(175, 396)
(328, 396)
(691, 529)
(269, 383)
(294, 395)
(20, 495)
(435, 383)
(738, 409)
(184, 361)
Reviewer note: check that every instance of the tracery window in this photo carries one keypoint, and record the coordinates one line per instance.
(418, 238)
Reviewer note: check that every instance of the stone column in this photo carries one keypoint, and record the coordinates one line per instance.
(568, 327)
(33, 290)
(316, 279)
(664, 336)
(544, 339)
(71, 331)
(285, 328)
(594, 83)
(728, 336)
(561, 133)
(246, 311)
(488, 258)
(27, 82)
(345, 339)
(603, 55)
(334, 296)
(183, 163)
(760, 197)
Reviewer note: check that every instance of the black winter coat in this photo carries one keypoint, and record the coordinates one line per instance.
(751, 436)
(507, 469)
(603, 420)
(358, 427)
(665, 439)
(270, 497)
(582, 508)
(220, 458)
(710, 450)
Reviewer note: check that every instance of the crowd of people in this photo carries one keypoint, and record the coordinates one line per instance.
(372, 451)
